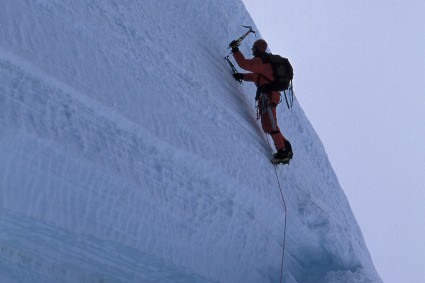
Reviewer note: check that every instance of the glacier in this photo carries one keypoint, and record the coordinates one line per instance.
(128, 153)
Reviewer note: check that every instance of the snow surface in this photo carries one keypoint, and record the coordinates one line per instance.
(128, 153)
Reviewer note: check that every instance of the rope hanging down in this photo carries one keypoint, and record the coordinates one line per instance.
(285, 210)
(284, 230)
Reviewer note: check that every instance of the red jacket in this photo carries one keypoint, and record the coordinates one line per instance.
(262, 73)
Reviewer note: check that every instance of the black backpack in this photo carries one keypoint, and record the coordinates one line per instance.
(282, 71)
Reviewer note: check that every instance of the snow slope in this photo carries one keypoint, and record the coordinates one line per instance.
(128, 153)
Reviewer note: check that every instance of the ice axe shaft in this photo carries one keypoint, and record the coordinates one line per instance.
(239, 40)
(234, 70)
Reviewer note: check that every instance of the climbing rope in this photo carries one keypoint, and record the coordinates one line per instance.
(284, 230)
(284, 207)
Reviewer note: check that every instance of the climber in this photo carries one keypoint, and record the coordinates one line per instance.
(261, 73)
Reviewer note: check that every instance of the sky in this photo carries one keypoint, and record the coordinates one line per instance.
(359, 76)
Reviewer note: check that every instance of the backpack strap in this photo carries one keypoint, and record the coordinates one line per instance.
(291, 96)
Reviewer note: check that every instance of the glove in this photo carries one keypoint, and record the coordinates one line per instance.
(238, 77)
(234, 44)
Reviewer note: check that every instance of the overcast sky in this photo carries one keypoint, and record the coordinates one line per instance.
(360, 78)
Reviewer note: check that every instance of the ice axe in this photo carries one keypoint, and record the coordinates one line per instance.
(238, 41)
